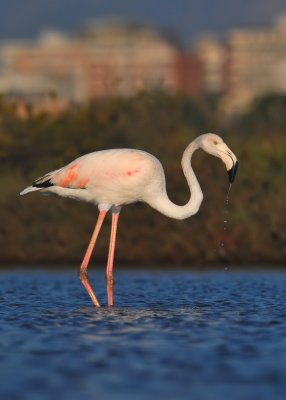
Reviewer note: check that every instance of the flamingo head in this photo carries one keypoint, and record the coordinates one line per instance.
(214, 145)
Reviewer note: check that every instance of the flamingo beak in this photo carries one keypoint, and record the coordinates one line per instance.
(232, 172)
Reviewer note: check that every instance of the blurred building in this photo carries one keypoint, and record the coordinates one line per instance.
(189, 74)
(256, 66)
(127, 58)
(103, 59)
(212, 55)
(115, 58)
(36, 67)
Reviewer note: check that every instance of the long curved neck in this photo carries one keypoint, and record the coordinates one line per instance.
(164, 205)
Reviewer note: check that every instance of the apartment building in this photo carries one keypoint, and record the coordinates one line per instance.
(212, 55)
(115, 58)
(256, 65)
(103, 59)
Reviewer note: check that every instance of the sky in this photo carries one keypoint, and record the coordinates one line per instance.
(189, 18)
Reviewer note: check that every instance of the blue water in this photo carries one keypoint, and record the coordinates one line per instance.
(172, 335)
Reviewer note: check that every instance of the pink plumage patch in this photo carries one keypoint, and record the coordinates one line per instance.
(81, 184)
(133, 172)
(69, 176)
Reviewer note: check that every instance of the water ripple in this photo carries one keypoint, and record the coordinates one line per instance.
(171, 335)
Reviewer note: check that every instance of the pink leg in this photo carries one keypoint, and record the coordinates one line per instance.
(83, 268)
(109, 268)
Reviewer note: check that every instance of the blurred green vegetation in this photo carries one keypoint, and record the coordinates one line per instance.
(39, 229)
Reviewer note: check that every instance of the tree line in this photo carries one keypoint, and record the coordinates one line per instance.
(249, 230)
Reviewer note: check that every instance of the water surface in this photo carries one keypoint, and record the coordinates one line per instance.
(171, 335)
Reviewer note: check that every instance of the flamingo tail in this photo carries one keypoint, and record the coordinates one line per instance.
(41, 183)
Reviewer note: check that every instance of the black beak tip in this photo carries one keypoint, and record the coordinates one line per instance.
(232, 172)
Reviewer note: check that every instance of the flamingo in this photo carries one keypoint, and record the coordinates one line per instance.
(112, 178)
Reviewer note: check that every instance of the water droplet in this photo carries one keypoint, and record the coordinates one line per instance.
(227, 195)
(221, 246)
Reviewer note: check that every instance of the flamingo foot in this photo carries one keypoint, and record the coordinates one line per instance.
(85, 281)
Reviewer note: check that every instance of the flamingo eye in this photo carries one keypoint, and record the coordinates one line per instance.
(215, 142)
